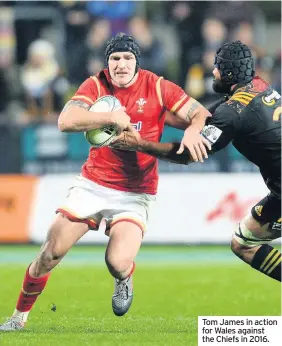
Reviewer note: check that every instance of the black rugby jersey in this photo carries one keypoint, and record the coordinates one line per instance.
(251, 120)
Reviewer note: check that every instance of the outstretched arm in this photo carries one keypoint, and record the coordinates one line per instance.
(173, 121)
(164, 151)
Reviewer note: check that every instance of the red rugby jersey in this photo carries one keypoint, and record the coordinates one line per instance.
(145, 101)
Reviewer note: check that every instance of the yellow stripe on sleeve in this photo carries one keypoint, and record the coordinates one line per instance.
(177, 104)
(247, 95)
(97, 84)
(83, 97)
(241, 99)
(159, 92)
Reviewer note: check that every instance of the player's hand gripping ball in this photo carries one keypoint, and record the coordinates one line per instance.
(103, 136)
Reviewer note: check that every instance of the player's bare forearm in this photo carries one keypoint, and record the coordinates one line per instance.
(164, 151)
(176, 122)
(183, 122)
(199, 117)
(75, 117)
(194, 113)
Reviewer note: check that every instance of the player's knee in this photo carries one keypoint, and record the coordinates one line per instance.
(116, 265)
(244, 241)
(48, 256)
(236, 247)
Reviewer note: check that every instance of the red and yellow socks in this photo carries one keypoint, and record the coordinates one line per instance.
(31, 289)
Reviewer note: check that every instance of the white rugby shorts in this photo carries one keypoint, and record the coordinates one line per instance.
(89, 203)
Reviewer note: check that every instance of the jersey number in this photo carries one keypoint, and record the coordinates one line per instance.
(277, 114)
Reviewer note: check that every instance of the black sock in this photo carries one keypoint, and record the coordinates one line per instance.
(268, 261)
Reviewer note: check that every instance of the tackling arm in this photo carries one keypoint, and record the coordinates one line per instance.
(176, 122)
(219, 131)
(196, 116)
(164, 151)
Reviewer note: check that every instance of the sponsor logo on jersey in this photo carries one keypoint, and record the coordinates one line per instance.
(141, 103)
(137, 126)
(211, 133)
(270, 100)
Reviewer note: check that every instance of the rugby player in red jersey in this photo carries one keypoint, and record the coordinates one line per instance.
(114, 184)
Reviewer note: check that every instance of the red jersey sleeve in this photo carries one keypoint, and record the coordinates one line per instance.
(173, 96)
(88, 91)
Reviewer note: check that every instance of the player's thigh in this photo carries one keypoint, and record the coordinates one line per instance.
(262, 225)
(126, 222)
(126, 227)
(83, 203)
(128, 207)
(63, 234)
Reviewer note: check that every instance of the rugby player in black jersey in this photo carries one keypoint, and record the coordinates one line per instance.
(248, 116)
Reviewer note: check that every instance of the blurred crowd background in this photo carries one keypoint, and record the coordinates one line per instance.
(48, 48)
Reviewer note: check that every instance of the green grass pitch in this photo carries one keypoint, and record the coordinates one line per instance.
(172, 287)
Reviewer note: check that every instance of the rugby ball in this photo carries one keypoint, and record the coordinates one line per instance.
(105, 135)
